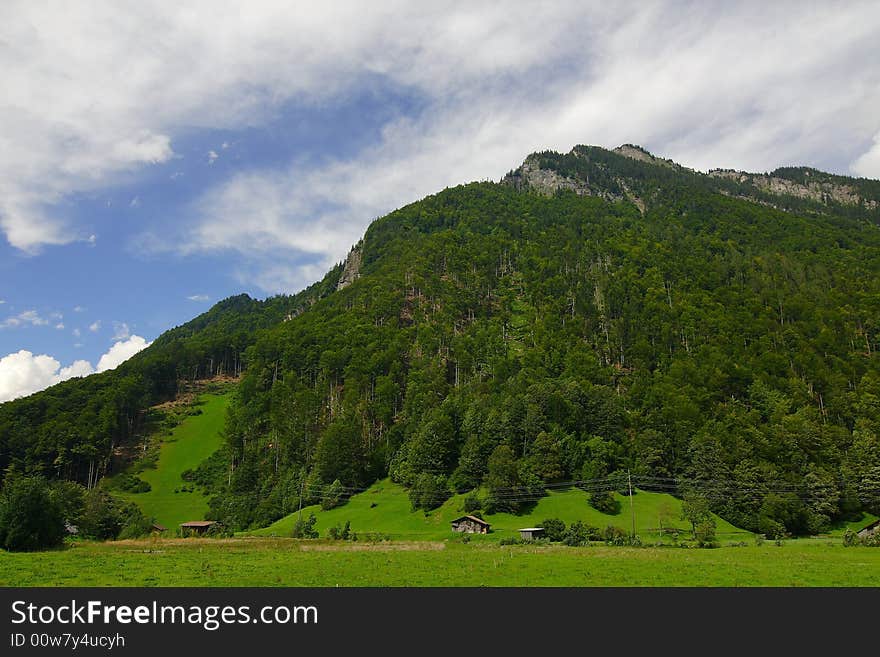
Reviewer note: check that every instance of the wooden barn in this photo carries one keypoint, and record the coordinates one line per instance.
(196, 526)
(470, 525)
(873, 528)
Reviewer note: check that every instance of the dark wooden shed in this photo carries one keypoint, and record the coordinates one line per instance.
(196, 526)
(531, 533)
(873, 528)
(470, 525)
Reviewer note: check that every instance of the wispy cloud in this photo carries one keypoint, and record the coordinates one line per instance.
(199, 297)
(26, 318)
(741, 85)
(95, 326)
(120, 331)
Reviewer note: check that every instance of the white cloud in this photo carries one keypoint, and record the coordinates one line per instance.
(59, 326)
(28, 317)
(212, 157)
(120, 331)
(868, 164)
(135, 202)
(76, 333)
(78, 309)
(2, 302)
(95, 326)
(199, 297)
(120, 352)
(743, 87)
(23, 373)
(709, 85)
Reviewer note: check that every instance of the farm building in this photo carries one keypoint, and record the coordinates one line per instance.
(531, 533)
(157, 528)
(470, 525)
(873, 528)
(196, 526)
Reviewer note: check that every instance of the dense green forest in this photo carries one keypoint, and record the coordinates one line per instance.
(71, 430)
(694, 334)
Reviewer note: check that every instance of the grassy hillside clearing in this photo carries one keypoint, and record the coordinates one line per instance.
(171, 500)
(385, 508)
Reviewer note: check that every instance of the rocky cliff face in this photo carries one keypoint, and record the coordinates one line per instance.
(585, 172)
(532, 176)
(819, 191)
(351, 271)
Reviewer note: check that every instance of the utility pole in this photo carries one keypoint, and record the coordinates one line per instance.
(632, 509)
(301, 484)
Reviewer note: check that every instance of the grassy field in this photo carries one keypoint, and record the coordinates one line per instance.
(385, 508)
(190, 443)
(289, 562)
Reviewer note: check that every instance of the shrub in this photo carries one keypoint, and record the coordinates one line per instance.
(554, 529)
(100, 518)
(30, 519)
(344, 533)
(428, 492)
(605, 502)
(705, 533)
(305, 528)
(129, 483)
(471, 503)
(333, 496)
(850, 538)
(577, 534)
(614, 536)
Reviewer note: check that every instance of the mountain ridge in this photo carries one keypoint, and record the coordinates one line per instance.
(594, 312)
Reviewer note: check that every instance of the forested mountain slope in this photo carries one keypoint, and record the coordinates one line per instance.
(594, 313)
(70, 430)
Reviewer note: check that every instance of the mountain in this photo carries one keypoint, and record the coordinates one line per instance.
(596, 316)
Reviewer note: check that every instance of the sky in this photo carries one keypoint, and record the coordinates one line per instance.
(156, 157)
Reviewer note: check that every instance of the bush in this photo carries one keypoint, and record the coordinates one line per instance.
(129, 483)
(333, 496)
(578, 534)
(105, 517)
(614, 536)
(30, 518)
(305, 528)
(850, 538)
(705, 533)
(428, 492)
(136, 526)
(605, 502)
(344, 533)
(554, 529)
(100, 517)
(471, 503)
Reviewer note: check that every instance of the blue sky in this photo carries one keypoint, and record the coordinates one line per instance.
(155, 161)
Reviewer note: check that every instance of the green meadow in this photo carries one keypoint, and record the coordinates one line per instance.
(385, 508)
(290, 562)
(190, 443)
